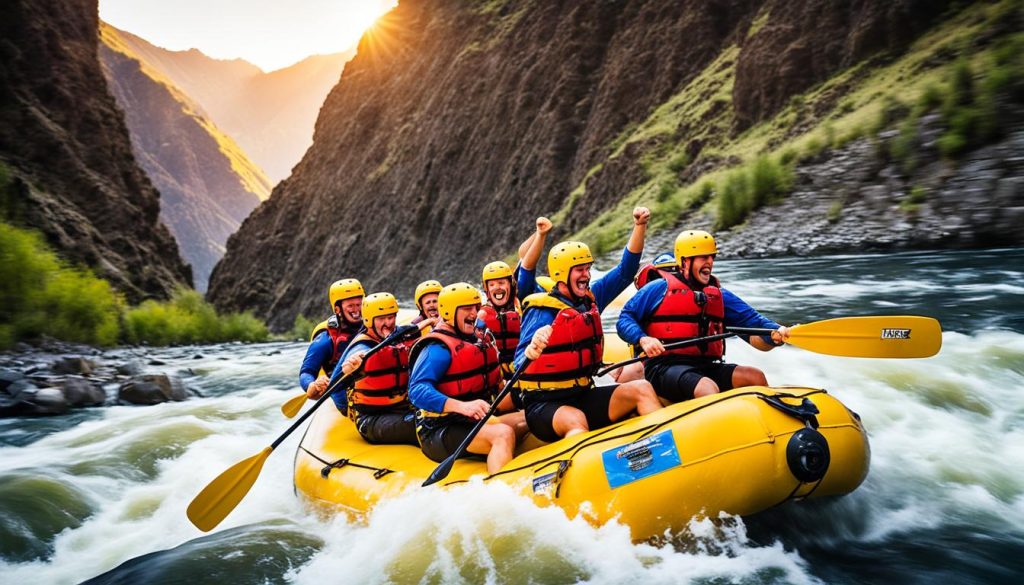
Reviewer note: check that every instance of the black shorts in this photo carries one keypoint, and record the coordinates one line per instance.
(593, 402)
(387, 428)
(676, 381)
(439, 440)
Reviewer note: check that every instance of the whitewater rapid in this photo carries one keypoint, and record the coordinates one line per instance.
(944, 497)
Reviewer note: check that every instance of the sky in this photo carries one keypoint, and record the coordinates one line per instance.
(271, 34)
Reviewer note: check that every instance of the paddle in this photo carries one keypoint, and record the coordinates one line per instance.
(897, 336)
(672, 345)
(900, 336)
(223, 494)
(445, 467)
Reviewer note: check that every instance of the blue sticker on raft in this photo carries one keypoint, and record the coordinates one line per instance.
(640, 459)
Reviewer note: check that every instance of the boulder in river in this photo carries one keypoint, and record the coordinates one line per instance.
(152, 389)
(132, 368)
(74, 365)
(81, 392)
(24, 399)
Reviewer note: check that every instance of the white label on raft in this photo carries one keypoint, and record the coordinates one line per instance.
(640, 459)
(895, 333)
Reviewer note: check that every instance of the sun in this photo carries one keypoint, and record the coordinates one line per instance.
(354, 20)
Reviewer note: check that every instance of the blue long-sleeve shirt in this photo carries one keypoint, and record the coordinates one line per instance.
(526, 282)
(737, 312)
(317, 355)
(431, 365)
(340, 395)
(604, 289)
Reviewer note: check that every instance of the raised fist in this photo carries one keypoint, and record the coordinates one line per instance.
(641, 215)
(543, 225)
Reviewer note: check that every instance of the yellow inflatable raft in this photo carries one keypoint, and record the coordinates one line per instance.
(738, 452)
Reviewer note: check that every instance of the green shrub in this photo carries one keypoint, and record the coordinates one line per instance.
(302, 328)
(733, 202)
(892, 110)
(704, 192)
(930, 98)
(187, 318)
(679, 162)
(41, 295)
(666, 190)
(904, 146)
(814, 147)
(918, 195)
(768, 179)
(835, 211)
(788, 156)
(961, 88)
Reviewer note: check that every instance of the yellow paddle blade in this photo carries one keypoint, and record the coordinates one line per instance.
(217, 499)
(294, 405)
(873, 337)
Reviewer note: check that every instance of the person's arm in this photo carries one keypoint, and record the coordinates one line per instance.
(533, 319)
(533, 251)
(617, 279)
(318, 352)
(340, 395)
(739, 314)
(636, 310)
(641, 217)
(426, 373)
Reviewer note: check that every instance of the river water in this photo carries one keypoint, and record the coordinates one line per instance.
(102, 493)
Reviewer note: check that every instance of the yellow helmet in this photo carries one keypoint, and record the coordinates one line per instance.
(694, 243)
(456, 295)
(377, 305)
(346, 288)
(425, 288)
(496, 269)
(563, 257)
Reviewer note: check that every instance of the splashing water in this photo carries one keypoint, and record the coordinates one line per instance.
(102, 493)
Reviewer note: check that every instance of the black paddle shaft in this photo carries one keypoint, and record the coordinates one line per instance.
(674, 345)
(445, 467)
(337, 383)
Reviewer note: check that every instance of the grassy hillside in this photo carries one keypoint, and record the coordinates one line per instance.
(693, 159)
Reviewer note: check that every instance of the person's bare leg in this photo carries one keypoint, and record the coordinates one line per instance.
(498, 442)
(569, 421)
(748, 376)
(637, 395)
(705, 387)
(629, 373)
(516, 420)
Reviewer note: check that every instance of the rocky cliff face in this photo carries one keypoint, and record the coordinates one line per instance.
(270, 115)
(207, 184)
(66, 144)
(457, 123)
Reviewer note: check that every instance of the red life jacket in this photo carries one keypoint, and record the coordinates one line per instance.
(680, 317)
(385, 380)
(504, 326)
(574, 350)
(473, 374)
(340, 338)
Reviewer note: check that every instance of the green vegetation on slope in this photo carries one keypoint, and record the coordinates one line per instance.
(964, 68)
(40, 294)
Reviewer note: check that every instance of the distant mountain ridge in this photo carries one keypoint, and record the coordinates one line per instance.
(67, 148)
(270, 115)
(207, 183)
